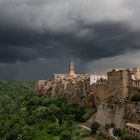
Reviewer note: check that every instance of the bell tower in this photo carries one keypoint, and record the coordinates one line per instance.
(71, 69)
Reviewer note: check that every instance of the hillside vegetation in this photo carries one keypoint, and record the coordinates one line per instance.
(26, 116)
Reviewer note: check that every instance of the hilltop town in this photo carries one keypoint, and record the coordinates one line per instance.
(110, 91)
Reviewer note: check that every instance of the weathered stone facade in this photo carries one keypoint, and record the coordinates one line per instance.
(132, 113)
(109, 95)
(115, 87)
(75, 90)
(135, 73)
(100, 90)
(78, 89)
(135, 83)
(118, 83)
(133, 129)
(111, 113)
(119, 114)
(97, 76)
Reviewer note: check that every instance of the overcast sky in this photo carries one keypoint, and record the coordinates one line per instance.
(39, 37)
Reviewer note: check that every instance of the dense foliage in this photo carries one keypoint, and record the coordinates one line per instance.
(136, 97)
(124, 135)
(25, 116)
(103, 136)
(94, 127)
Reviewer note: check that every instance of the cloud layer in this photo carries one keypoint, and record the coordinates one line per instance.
(87, 30)
(54, 15)
(92, 42)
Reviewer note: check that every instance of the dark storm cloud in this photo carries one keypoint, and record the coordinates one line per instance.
(88, 43)
(38, 37)
(26, 46)
(109, 40)
(88, 30)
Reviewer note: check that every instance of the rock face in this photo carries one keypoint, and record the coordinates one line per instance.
(119, 114)
(108, 96)
(108, 114)
(75, 90)
(79, 90)
(132, 112)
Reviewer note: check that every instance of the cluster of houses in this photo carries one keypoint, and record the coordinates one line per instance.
(90, 88)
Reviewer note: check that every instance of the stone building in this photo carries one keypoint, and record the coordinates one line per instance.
(119, 81)
(107, 92)
(96, 77)
(71, 72)
(136, 84)
(86, 89)
(134, 129)
(59, 77)
(135, 73)
(75, 88)
(135, 76)
(115, 85)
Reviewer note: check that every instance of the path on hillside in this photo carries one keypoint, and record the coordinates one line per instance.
(83, 126)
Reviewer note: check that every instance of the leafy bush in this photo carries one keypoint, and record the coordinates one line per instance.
(103, 136)
(107, 126)
(129, 137)
(54, 129)
(124, 134)
(74, 110)
(118, 132)
(136, 98)
(94, 127)
(66, 135)
(35, 101)
(88, 113)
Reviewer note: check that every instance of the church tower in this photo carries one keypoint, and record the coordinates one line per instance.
(71, 69)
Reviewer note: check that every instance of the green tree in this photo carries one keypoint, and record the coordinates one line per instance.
(136, 97)
(66, 135)
(94, 127)
(118, 132)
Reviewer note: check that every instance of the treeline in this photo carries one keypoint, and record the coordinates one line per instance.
(25, 116)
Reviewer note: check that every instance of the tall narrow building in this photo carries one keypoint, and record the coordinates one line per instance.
(71, 69)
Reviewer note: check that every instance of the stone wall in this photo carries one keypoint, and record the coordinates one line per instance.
(74, 90)
(107, 96)
(119, 114)
(135, 84)
(118, 83)
(79, 90)
(132, 112)
(110, 113)
(100, 90)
